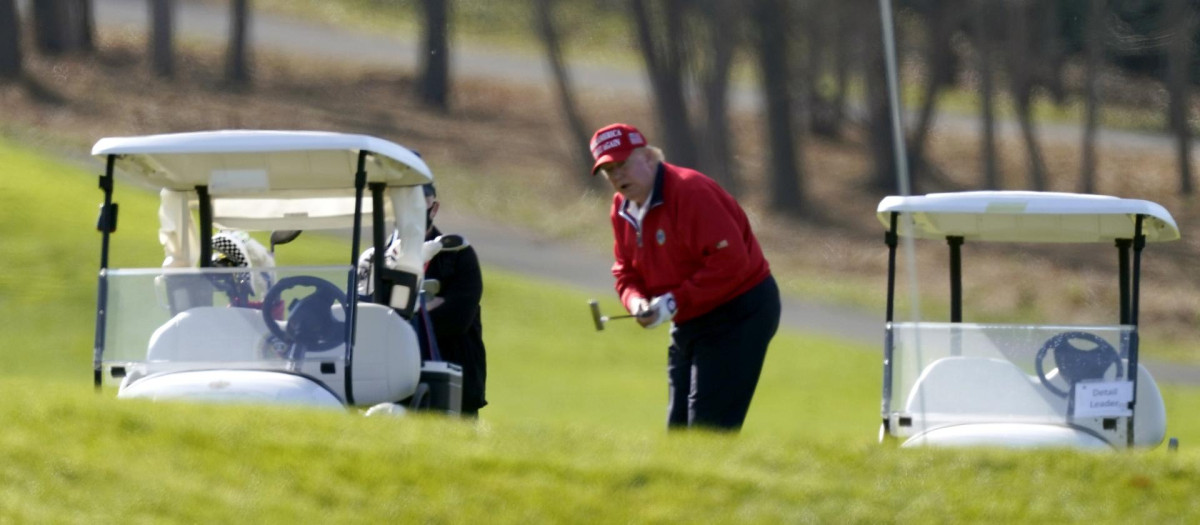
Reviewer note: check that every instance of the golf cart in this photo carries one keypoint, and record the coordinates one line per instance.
(257, 333)
(1021, 385)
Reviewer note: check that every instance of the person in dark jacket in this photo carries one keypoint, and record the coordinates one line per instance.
(455, 311)
(685, 254)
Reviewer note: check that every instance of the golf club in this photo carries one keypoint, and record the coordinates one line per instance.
(283, 237)
(601, 319)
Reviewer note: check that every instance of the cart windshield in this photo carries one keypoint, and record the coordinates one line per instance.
(956, 373)
(199, 318)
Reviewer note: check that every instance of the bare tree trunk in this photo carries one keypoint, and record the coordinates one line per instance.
(1093, 43)
(237, 65)
(578, 130)
(162, 51)
(80, 26)
(842, 59)
(771, 20)
(663, 46)
(1021, 62)
(879, 124)
(806, 72)
(434, 88)
(1037, 167)
(823, 112)
(716, 153)
(941, 19)
(49, 32)
(10, 40)
(87, 25)
(984, 10)
(1178, 16)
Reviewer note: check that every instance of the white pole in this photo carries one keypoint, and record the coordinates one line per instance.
(900, 151)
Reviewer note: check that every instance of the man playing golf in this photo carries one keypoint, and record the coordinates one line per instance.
(685, 254)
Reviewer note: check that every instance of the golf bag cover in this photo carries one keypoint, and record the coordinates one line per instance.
(237, 249)
(366, 265)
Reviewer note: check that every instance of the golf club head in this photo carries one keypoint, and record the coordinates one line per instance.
(596, 317)
(283, 237)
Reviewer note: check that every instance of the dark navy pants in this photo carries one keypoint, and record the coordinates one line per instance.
(714, 360)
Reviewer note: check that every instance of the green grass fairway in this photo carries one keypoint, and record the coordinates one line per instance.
(51, 249)
(70, 455)
(548, 365)
(575, 431)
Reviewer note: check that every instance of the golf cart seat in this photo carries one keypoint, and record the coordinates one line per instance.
(387, 359)
(1010, 392)
(937, 398)
(387, 356)
(201, 337)
(209, 334)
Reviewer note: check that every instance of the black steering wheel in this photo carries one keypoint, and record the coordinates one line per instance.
(311, 326)
(1077, 364)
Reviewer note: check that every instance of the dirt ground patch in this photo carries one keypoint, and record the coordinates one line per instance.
(503, 154)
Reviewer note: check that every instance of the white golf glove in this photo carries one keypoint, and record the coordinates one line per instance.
(638, 306)
(664, 306)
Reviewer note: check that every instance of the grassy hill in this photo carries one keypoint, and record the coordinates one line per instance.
(70, 455)
(574, 432)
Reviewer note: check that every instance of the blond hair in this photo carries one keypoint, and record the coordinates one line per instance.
(650, 152)
(653, 152)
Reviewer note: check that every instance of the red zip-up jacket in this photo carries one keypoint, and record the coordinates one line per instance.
(695, 242)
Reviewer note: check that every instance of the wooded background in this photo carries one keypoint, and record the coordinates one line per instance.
(819, 65)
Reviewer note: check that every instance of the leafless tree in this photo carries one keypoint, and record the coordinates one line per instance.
(826, 55)
(434, 87)
(663, 43)
(10, 40)
(1093, 50)
(577, 129)
(843, 16)
(720, 22)
(63, 26)
(1031, 57)
(237, 61)
(1178, 16)
(941, 18)
(772, 21)
(162, 50)
(984, 47)
(81, 26)
(880, 140)
(49, 26)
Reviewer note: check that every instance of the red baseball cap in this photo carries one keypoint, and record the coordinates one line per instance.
(614, 143)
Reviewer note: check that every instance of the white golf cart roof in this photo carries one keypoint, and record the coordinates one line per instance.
(238, 161)
(267, 180)
(1025, 216)
(261, 161)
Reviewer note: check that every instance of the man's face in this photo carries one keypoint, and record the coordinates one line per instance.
(633, 178)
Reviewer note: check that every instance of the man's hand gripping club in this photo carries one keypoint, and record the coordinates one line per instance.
(657, 311)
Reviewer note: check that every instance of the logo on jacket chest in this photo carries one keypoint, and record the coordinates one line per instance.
(660, 237)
